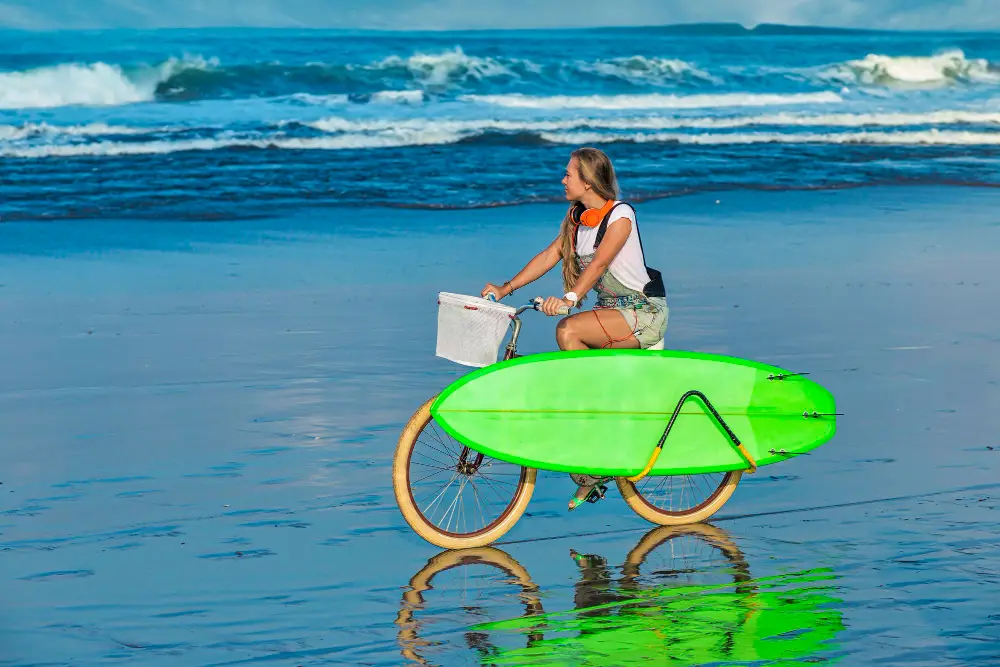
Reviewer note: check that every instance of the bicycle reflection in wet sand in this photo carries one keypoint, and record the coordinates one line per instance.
(684, 595)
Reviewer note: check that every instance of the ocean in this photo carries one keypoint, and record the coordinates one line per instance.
(234, 124)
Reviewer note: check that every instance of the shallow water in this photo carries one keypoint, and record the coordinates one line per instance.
(199, 427)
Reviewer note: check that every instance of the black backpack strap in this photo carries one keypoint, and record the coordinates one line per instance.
(603, 228)
(655, 285)
(575, 214)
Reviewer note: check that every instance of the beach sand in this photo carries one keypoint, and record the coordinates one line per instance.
(198, 422)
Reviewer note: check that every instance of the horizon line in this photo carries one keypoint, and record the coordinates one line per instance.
(735, 26)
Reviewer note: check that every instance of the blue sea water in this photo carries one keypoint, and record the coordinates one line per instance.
(225, 124)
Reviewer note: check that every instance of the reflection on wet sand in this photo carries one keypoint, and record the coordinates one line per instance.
(410, 637)
(683, 594)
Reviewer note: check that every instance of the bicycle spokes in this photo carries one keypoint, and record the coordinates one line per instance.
(680, 493)
(457, 489)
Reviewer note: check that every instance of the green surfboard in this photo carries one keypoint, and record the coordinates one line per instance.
(603, 411)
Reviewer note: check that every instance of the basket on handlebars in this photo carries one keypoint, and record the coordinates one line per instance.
(470, 329)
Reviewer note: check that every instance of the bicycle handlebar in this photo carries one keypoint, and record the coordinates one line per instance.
(533, 304)
(537, 301)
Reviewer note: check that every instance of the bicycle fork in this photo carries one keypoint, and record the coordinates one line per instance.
(511, 351)
(464, 467)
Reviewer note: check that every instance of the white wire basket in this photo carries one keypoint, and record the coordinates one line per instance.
(470, 329)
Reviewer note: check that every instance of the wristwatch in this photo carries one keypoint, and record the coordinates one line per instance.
(571, 296)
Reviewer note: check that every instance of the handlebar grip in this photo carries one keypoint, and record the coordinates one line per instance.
(537, 301)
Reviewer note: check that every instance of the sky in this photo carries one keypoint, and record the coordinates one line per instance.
(476, 14)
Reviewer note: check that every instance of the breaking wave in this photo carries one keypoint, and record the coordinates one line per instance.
(945, 68)
(94, 84)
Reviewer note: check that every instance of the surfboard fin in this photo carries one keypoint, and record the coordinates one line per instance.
(782, 376)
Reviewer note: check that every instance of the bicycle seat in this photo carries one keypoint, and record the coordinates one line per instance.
(656, 346)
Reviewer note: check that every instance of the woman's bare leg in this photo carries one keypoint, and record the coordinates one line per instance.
(584, 331)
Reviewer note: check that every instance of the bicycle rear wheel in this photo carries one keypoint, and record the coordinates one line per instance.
(674, 500)
(451, 495)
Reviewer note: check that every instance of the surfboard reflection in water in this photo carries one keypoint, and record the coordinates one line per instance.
(684, 595)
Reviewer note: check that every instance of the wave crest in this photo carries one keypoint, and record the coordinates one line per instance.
(442, 69)
(640, 70)
(339, 124)
(389, 139)
(653, 101)
(930, 137)
(94, 84)
(98, 84)
(45, 130)
(415, 136)
(941, 69)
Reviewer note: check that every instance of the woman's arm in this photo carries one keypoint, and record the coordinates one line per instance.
(614, 240)
(532, 271)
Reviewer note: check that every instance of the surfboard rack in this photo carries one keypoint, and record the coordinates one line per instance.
(733, 440)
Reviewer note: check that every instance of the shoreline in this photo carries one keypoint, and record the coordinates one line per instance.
(702, 209)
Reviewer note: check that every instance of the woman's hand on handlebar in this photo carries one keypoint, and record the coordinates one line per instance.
(555, 306)
(499, 291)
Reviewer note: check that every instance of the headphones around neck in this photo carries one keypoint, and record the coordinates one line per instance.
(591, 217)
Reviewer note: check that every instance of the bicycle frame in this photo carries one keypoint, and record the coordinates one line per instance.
(511, 350)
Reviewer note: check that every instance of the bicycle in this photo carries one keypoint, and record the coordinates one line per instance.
(490, 495)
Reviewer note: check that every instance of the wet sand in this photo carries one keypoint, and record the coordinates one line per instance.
(198, 424)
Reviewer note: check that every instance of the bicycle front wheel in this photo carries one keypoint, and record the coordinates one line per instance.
(451, 495)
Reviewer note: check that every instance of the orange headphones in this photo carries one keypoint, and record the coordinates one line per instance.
(591, 217)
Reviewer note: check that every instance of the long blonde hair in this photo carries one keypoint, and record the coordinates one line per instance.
(596, 171)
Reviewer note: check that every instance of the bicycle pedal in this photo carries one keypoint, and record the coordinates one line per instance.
(597, 493)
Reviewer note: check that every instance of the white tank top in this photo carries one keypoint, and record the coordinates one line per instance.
(629, 267)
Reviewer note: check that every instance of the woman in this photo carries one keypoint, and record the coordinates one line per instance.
(599, 247)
